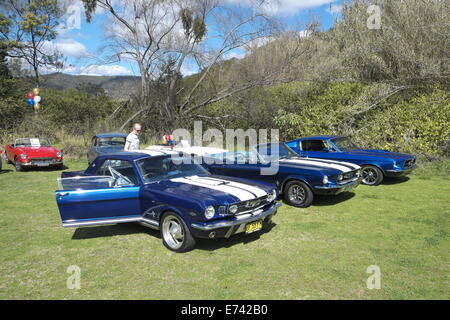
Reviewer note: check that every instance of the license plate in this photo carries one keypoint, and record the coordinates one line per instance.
(253, 226)
(41, 164)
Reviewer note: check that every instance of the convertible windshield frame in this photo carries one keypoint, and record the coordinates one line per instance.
(175, 160)
(43, 142)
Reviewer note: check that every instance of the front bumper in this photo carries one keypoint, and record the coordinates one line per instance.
(398, 173)
(226, 228)
(336, 189)
(32, 163)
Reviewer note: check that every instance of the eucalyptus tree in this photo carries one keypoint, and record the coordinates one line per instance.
(26, 29)
(167, 38)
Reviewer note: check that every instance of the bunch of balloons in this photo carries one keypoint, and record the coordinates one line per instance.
(168, 139)
(33, 98)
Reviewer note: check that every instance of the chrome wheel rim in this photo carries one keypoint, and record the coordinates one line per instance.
(297, 194)
(370, 176)
(173, 233)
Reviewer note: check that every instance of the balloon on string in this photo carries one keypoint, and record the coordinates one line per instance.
(30, 102)
(37, 106)
(30, 95)
(36, 91)
(37, 99)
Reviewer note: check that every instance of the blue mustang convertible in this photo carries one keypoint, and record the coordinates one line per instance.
(167, 192)
(376, 164)
(297, 179)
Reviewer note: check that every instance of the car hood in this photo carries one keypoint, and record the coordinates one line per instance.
(213, 190)
(379, 154)
(38, 151)
(328, 167)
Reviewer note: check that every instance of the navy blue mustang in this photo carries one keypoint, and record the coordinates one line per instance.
(298, 179)
(167, 192)
(376, 164)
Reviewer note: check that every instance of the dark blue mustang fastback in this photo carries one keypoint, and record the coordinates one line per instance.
(376, 164)
(167, 192)
(297, 178)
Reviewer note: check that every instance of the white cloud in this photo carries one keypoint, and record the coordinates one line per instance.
(290, 7)
(334, 8)
(105, 70)
(188, 69)
(71, 48)
(234, 54)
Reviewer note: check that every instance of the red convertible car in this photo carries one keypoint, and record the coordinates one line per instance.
(32, 152)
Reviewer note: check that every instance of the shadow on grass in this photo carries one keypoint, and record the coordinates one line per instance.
(3, 171)
(113, 230)
(322, 201)
(241, 238)
(391, 181)
(133, 228)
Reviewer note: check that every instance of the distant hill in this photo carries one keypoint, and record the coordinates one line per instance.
(117, 87)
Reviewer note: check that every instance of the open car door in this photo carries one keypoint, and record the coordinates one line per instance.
(96, 200)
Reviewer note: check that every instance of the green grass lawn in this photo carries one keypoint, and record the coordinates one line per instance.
(321, 252)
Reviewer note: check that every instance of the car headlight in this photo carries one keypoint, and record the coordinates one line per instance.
(233, 209)
(396, 165)
(209, 212)
(340, 177)
(23, 156)
(59, 154)
(325, 180)
(272, 196)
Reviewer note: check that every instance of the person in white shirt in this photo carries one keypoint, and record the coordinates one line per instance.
(133, 142)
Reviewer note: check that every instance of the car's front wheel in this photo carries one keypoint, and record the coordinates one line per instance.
(17, 165)
(298, 194)
(372, 176)
(175, 233)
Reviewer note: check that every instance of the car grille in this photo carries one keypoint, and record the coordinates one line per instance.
(409, 163)
(348, 177)
(245, 206)
(40, 160)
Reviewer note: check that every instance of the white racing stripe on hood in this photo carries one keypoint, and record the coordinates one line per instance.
(255, 190)
(219, 185)
(311, 162)
(349, 164)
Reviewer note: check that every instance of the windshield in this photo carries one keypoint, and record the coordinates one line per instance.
(111, 141)
(344, 144)
(32, 142)
(168, 167)
(275, 151)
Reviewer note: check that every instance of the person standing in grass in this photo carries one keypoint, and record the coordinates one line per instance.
(133, 142)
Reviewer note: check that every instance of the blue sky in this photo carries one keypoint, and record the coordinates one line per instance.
(81, 42)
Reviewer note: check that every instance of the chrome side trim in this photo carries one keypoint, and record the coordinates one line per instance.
(225, 224)
(147, 222)
(99, 222)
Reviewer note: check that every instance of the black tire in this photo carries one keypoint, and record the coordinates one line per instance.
(185, 243)
(17, 165)
(59, 167)
(372, 176)
(7, 159)
(298, 194)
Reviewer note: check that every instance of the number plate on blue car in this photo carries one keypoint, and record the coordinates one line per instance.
(253, 226)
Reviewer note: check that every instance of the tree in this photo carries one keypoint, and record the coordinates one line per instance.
(26, 28)
(165, 37)
(408, 44)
